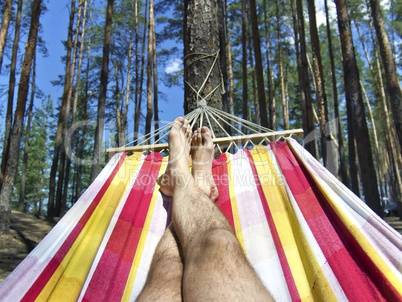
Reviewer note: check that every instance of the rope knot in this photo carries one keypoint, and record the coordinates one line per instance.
(201, 103)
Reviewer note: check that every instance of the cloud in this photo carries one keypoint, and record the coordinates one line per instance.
(173, 65)
(320, 12)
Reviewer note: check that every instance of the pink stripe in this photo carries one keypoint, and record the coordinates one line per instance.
(110, 277)
(221, 177)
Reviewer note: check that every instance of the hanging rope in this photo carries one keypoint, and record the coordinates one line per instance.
(215, 119)
(198, 92)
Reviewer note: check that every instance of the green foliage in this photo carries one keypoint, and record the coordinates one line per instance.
(37, 175)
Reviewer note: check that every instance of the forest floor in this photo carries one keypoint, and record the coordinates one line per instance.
(27, 231)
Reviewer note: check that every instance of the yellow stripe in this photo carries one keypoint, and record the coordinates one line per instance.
(141, 244)
(309, 279)
(68, 279)
(233, 201)
(358, 235)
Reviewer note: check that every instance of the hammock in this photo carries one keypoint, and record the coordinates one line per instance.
(306, 235)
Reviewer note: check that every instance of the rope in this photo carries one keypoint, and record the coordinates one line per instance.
(199, 91)
(213, 118)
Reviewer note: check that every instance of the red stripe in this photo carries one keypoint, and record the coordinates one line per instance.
(352, 277)
(221, 177)
(111, 274)
(54, 263)
(294, 293)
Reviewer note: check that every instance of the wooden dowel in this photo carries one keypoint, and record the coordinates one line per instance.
(241, 139)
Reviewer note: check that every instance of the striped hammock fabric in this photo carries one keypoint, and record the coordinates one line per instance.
(305, 234)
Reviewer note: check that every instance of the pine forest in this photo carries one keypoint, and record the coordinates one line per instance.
(330, 67)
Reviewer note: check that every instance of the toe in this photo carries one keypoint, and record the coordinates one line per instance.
(176, 123)
(198, 136)
(206, 136)
(185, 125)
(189, 134)
(180, 120)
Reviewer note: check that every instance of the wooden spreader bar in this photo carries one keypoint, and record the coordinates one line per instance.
(222, 141)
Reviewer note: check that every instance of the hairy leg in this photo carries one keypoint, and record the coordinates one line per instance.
(215, 267)
(165, 274)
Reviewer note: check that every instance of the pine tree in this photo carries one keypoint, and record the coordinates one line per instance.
(58, 161)
(16, 133)
(11, 89)
(356, 109)
(5, 22)
(258, 65)
(391, 72)
(97, 154)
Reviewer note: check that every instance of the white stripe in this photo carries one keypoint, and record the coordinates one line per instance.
(259, 244)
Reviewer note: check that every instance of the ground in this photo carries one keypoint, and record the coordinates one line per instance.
(27, 231)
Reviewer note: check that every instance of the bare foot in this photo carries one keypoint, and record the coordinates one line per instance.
(177, 172)
(202, 155)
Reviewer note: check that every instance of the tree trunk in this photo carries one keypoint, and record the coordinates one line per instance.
(11, 89)
(304, 85)
(151, 32)
(391, 71)
(244, 60)
(223, 59)
(21, 203)
(378, 158)
(98, 154)
(39, 196)
(64, 164)
(320, 89)
(137, 64)
(230, 63)
(63, 116)
(12, 163)
(76, 93)
(254, 84)
(118, 105)
(285, 111)
(82, 140)
(356, 108)
(342, 159)
(155, 80)
(5, 22)
(381, 172)
(270, 74)
(390, 136)
(139, 80)
(202, 78)
(127, 97)
(258, 65)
